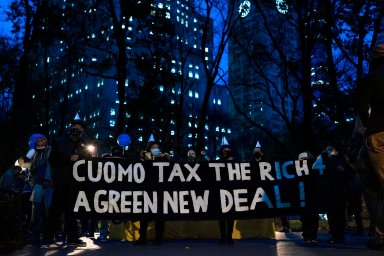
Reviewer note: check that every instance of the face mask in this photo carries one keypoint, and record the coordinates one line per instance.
(155, 151)
(39, 150)
(257, 154)
(227, 154)
(75, 133)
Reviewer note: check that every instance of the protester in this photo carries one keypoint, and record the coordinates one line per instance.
(310, 217)
(226, 225)
(42, 191)
(153, 153)
(65, 151)
(8, 179)
(23, 185)
(258, 156)
(370, 105)
(116, 152)
(192, 157)
(340, 177)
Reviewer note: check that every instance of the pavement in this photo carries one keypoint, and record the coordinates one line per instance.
(284, 244)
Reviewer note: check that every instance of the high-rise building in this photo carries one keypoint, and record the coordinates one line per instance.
(82, 88)
(262, 85)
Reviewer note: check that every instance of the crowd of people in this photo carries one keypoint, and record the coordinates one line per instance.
(42, 177)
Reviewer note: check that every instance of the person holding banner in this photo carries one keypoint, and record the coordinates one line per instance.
(257, 157)
(153, 153)
(226, 226)
(310, 217)
(116, 152)
(340, 176)
(193, 158)
(65, 152)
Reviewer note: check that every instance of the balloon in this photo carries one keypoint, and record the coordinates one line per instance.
(33, 139)
(123, 140)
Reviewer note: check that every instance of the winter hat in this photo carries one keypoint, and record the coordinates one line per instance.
(378, 51)
(34, 138)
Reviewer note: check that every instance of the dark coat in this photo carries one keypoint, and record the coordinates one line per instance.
(370, 93)
(62, 149)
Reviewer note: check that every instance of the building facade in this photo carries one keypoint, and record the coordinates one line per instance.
(81, 86)
(263, 87)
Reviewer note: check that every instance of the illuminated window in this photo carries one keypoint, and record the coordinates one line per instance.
(161, 88)
(190, 93)
(112, 123)
(113, 112)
